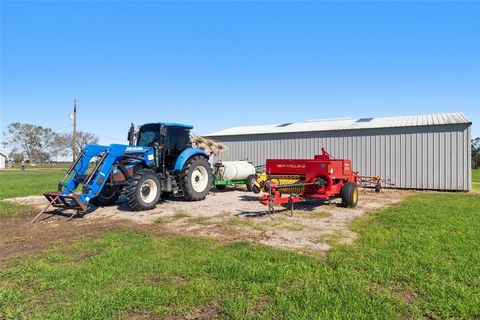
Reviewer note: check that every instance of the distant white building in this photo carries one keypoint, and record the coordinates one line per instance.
(3, 158)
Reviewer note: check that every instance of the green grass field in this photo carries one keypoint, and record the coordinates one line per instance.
(32, 181)
(476, 180)
(14, 209)
(419, 259)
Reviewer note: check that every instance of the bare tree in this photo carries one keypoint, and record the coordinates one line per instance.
(59, 147)
(32, 140)
(83, 138)
(16, 156)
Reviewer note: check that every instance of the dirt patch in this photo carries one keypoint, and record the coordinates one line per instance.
(18, 237)
(204, 312)
(35, 200)
(408, 295)
(229, 215)
(138, 315)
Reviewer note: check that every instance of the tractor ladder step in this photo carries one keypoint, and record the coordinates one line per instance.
(176, 190)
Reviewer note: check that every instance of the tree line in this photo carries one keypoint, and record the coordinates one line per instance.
(476, 153)
(37, 144)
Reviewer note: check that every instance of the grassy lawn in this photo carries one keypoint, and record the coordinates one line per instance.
(419, 259)
(8, 209)
(476, 180)
(32, 181)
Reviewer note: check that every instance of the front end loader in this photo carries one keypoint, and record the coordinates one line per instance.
(159, 160)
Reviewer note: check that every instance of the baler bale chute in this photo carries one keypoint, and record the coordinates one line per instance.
(320, 178)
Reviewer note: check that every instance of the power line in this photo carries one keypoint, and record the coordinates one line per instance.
(61, 128)
(106, 137)
(74, 142)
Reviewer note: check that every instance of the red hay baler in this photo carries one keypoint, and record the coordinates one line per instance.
(322, 177)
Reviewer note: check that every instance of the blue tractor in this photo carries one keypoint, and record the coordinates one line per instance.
(159, 160)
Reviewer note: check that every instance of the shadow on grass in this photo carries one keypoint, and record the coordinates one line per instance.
(307, 205)
(63, 213)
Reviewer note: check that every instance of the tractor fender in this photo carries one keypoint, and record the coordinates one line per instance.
(187, 154)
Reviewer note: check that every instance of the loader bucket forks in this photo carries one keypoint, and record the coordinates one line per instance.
(62, 201)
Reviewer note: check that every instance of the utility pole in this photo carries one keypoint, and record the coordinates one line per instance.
(74, 136)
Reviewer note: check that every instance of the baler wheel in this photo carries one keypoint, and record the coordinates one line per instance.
(255, 189)
(349, 195)
(143, 190)
(221, 186)
(196, 179)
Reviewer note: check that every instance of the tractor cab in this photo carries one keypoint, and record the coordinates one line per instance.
(168, 140)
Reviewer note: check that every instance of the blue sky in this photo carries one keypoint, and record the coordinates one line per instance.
(220, 64)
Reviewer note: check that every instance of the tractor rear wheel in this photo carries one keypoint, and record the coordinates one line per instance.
(143, 190)
(107, 197)
(196, 179)
(349, 195)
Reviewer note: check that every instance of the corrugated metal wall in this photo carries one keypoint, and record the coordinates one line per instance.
(427, 157)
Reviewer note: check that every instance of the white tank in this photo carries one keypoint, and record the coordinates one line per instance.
(236, 170)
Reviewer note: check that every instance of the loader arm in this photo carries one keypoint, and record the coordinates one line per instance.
(93, 182)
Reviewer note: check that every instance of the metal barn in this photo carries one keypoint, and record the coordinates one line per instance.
(429, 151)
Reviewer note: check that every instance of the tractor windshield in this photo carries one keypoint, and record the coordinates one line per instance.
(178, 139)
(148, 135)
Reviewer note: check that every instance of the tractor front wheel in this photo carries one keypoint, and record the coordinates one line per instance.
(107, 197)
(196, 179)
(349, 195)
(143, 190)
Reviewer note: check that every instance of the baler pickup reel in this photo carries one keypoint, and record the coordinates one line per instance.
(274, 195)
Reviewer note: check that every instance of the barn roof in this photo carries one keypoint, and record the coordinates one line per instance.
(349, 124)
